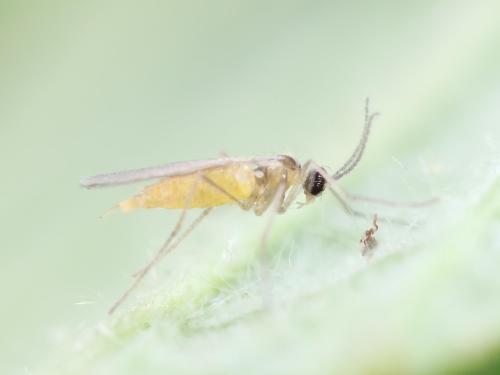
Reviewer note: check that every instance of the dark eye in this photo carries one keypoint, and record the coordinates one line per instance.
(315, 183)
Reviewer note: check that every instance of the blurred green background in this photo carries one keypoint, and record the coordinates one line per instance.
(91, 86)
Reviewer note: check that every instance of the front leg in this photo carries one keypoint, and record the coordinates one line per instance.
(296, 189)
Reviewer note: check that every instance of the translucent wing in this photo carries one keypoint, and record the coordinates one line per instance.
(160, 171)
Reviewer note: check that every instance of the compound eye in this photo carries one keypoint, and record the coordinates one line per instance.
(315, 183)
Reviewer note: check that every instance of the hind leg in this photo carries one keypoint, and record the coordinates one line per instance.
(165, 248)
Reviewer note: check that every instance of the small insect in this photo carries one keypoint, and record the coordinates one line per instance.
(369, 241)
(254, 184)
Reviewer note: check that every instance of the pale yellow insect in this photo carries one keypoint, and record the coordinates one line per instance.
(257, 184)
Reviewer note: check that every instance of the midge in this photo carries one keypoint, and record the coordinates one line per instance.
(257, 184)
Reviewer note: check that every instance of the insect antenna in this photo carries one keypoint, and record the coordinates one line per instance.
(351, 163)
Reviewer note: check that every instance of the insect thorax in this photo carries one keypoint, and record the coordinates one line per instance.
(269, 176)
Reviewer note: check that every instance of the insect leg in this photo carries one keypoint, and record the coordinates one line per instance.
(295, 191)
(163, 249)
(275, 209)
(187, 232)
(276, 203)
(243, 205)
(387, 202)
(342, 197)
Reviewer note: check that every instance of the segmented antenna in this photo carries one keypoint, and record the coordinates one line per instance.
(351, 163)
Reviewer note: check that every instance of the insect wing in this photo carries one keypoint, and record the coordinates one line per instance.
(161, 171)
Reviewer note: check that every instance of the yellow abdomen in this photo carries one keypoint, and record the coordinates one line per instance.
(173, 192)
